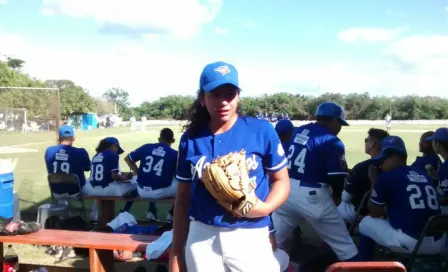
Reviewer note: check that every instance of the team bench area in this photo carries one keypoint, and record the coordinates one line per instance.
(100, 245)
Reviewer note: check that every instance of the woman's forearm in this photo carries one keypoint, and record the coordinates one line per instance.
(279, 190)
(181, 223)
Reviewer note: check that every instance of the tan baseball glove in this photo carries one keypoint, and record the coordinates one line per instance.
(227, 180)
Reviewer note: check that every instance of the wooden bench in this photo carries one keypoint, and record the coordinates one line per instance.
(100, 245)
(106, 205)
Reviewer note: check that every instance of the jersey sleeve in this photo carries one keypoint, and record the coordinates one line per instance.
(271, 225)
(379, 193)
(114, 161)
(274, 157)
(183, 170)
(86, 163)
(335, 156)
(136, 155)
(350, 185)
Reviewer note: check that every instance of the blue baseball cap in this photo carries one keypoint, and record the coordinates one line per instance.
(66, 131)
(391, 145)
(113, 140)
(441, 134)
(217, 74)
(284, 127)
(330, 109)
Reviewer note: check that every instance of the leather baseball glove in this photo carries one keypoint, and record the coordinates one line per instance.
(227, 180)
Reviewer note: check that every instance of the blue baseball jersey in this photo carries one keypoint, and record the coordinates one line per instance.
(410, 197)
(421, 162)
(443, 179)
(274, 118)
(70, 160)
(358, 183)
(264, 153)
(315, 153)
(157, 165)
(103, 164)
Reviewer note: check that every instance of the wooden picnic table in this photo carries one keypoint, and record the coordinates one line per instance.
(100, 245)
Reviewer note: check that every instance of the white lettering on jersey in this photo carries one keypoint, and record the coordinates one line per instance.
(280, 150)
(444, 183)
(98, 158)
(251, 162)
(61, 155)
(415, 177)
(159, 151)
(302, 138)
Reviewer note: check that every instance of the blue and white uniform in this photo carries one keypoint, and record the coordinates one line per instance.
(157, 170)
(315, 153)
(67, 159)
(101, 182)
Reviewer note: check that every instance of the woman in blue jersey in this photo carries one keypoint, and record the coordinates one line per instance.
(106, 179)
(205, 236)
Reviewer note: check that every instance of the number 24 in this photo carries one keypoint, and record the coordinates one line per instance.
(300, 159)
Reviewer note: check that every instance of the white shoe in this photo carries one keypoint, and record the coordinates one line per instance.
(169, 217)
(151, 216)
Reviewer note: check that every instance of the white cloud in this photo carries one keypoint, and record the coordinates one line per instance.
(221, 31)
(3, 2)
(250, 23)
(182, 18)
(369, 34)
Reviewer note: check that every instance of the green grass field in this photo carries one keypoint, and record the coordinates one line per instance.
(30, 173)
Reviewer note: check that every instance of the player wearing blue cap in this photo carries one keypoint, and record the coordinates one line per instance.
(430, 161)
(440, 145)
(65, 158)
(106, 179)
(316, 161)
(358, 182)
(214, 239)
(284, 129)
(155, 175)
(410, 198)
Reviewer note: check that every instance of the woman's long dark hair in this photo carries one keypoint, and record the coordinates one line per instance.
(198, 116)
(103, 145)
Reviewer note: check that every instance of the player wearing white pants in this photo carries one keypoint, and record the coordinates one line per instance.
(316, 160)
(166, 192)
(384, 234)
(316, 206)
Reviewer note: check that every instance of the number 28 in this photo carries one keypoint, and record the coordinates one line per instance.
(299, 161)
(416, 200)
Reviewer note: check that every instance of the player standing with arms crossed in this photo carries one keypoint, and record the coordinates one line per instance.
(155, 175)
(316, 161)
(217, 239)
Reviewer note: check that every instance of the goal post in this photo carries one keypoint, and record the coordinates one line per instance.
(30, 109)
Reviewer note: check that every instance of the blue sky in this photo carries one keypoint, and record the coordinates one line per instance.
(154, 48)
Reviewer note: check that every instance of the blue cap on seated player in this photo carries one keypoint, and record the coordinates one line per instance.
(217, 74)
(66, 131)
(441, 134)
(113, 140)
(284, 127)
(392, 145)
(330, 109)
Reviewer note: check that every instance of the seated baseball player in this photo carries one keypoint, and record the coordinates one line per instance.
(440, 146)
(358, 182)
(284, 129)
(106, 179)
(156, 172)
(65, 158)
(410, 198)
(430, 160)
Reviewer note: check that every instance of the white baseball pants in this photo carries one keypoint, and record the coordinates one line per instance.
(318, 208)
(147, 192)
(347, 211)
(382, 232)
(217, 249)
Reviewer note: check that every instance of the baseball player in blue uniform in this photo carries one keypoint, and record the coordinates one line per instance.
(410, 198)
(157, 170)
(440, 145)
(284, 129)
(259, 115)
(106, 179)
(205, 236)
(358, 182)
(316, 161)
(274, 117)
(266, 116)
(65, 158)
(287, 116)
(430, 160)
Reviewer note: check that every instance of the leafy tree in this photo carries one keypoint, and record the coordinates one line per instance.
(117, 96)
(15, 63)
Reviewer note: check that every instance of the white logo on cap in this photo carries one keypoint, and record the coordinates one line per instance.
(223, 70)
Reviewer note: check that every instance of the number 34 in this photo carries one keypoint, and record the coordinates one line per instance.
(416, 200)
(299, 161)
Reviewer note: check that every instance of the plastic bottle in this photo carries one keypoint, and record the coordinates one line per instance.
(10, 261)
